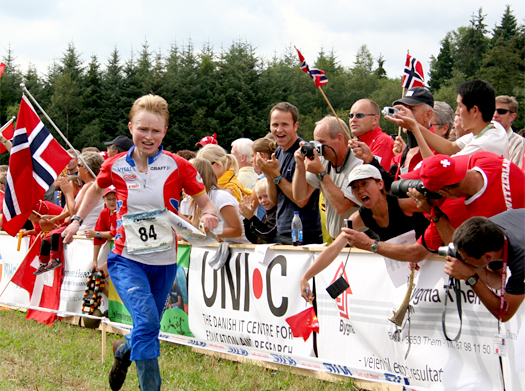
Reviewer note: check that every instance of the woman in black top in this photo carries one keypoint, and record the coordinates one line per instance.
(385, 215)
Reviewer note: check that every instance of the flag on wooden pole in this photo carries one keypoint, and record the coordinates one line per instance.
(413, 74)
(36, 160)
(316, 74)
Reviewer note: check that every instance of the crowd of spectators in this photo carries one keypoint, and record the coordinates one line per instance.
(471, 157)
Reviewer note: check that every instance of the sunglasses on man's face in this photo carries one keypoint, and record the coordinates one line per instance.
(358, 115)
(502, 111)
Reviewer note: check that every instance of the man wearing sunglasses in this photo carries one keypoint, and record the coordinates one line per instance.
(505, 114)
(364, 123)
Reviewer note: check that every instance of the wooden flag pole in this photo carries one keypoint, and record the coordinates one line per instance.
(335, 115)
(399, 129)
(402, 95)
(26, 91)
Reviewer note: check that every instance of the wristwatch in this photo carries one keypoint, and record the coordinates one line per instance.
(97, 235)
(321, 175)
(75, 217)
(277, 180)
(472, 280)
(374, 247)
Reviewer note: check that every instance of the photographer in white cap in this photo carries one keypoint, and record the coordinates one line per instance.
(385, 215)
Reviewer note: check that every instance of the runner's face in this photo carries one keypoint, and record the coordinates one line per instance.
(147, 130)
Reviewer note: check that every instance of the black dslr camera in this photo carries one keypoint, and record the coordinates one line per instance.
(399, 188)
(449, 250)
(307, 150)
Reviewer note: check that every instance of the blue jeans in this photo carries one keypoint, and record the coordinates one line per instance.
(144, 290)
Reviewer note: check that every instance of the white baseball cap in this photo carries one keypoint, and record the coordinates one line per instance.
(364, 171)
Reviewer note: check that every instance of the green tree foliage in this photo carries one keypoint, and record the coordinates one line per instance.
(469, 52)
(471, 44)
(442, 66)
(231, 91)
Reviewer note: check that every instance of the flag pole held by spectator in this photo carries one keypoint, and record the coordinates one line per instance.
(26, 91)
(320, 80)
(8, 128)
(413, 76)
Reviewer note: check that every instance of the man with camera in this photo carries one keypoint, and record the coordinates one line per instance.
(489, 184)
(279, 170)
(483, 248)
(476, 106)
(483, 184)
(325, 164)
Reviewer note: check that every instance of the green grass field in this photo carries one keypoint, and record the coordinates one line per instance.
(68, 357)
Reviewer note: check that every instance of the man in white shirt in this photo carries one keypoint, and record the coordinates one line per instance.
(476, 105)
(242, 150)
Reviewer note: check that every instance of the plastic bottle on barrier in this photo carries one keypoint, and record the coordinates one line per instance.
(297, 229)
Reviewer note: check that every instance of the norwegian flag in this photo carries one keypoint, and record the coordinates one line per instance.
(413, 74)
(316, 74)
(36, 160)
(2, 68)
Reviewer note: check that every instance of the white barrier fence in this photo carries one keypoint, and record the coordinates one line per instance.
(241, 310)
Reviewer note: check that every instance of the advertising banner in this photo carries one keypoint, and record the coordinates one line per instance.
(355, 327)
(241, 308)
(246, 302)
(78, 258)
(10, 259)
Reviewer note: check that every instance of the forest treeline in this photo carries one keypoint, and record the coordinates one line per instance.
(230, 92)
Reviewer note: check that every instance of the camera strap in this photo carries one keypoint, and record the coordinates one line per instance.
(455, 284)
(503, 305)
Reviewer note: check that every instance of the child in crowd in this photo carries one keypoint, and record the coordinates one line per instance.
(259, 231)
(51, 246)
(227, 205)
(105, 227)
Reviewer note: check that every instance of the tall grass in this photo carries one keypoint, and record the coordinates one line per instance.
(68, 357)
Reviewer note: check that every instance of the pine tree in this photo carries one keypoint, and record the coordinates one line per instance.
(471, 44)
(441, 68)
(507, 29)
(113, 116)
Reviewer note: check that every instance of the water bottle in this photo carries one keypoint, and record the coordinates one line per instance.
(297, 230)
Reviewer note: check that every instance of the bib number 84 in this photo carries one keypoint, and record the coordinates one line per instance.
(145, 236)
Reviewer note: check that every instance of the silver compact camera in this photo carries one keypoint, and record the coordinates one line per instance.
(389, 111)
(449, 250)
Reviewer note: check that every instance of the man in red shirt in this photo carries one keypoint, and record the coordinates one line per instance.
(489, 183)
(483, 184)
(364, 123)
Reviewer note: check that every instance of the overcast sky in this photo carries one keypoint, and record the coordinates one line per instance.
(38, 31)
